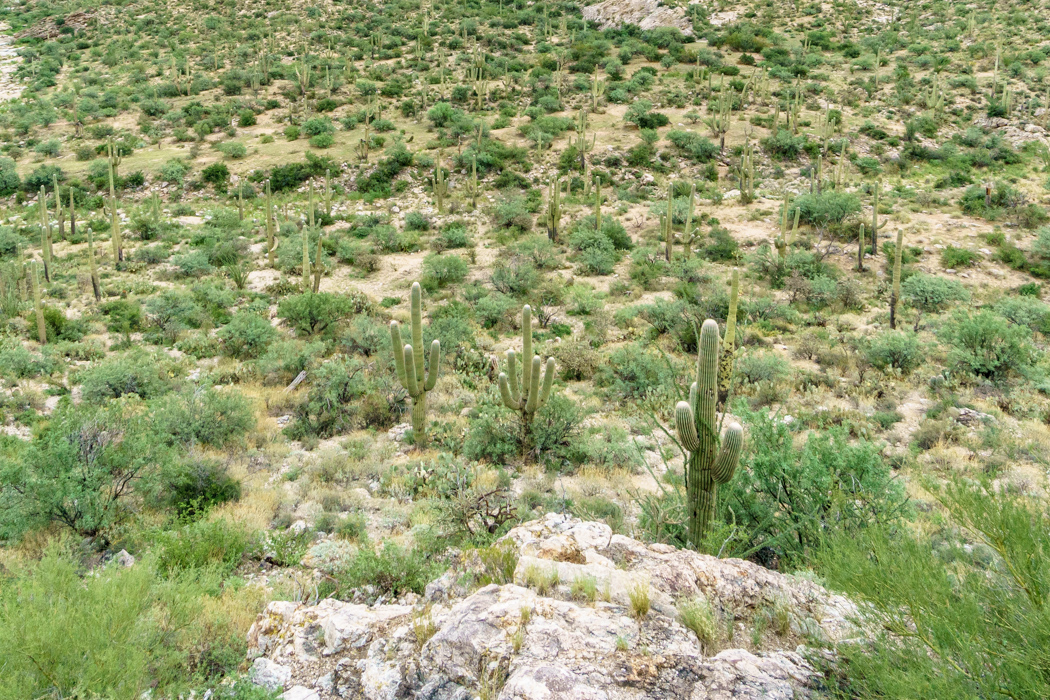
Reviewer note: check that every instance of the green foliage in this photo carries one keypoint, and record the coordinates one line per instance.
(829, 208)
(192, 486)
(204, 416)
(930, 293)
(80, 471)
(389, 571)
(346, 394)
(693, 145)
(139, 373)
(313, 314)
(987, 345)
(898, 350)
(945, 605)
(117, 633)
(247, 335)
(442, 270)
(205, 544)
(635, 372)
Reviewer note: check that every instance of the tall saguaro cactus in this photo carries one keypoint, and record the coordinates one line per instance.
(531, 394)
(408, 360)
(895, 293)
(725, 362)
(38, 307)
(708, 463)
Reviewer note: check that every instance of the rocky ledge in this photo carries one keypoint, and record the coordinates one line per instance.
(590, 615)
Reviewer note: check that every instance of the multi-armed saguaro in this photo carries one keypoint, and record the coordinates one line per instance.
(531, 394)
(408, 359)
(708, 464)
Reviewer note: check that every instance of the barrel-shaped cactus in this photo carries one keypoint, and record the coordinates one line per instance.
(531, 393)
(411, 371)
(708, 463)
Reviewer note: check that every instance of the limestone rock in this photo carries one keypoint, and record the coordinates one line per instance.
(559, 644)
(647, 14)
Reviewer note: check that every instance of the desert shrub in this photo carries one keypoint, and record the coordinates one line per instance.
(346, 394)
(192, 486)
(1025, 311)
(58, 325)
(312, 314)
(284, 359)
(756, 367)
(18, 362)
(634, 372)
(987, 345)
(971, 594)
(417, 221)
(80, 471)
(139, 373)
(693, 145)
(442, 270)
(204, 544)
(841, 485)
(247, 335)
(828, 208)
(389, 571)
(158, 636)
(952, 257)
(205, 416)
(930, 293)
(898, 350)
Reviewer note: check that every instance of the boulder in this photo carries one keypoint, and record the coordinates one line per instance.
(560, 639)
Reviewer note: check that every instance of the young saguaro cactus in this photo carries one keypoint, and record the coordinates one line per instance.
(531, 394)
(410, 369)
(708, 464)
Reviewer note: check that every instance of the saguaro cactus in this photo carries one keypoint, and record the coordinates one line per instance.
(667, 221)
(553, 209)
(708, 464)
(38, 307)
(271, 238)
(875, 225)
(725, 362)
(531, 394)
(440, 186)
(408, 360)
(895, 294)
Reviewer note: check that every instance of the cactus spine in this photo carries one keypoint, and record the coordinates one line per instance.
(895, 294)
(38, 307)
(531, 394)
(411, 372)
(725, 362)
(553, 209)
(708, 464)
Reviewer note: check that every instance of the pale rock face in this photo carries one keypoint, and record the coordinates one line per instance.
(270, 675)
(647, 14)
(523, 645)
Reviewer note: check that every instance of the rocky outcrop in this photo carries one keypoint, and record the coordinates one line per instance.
(590, 615)
(50, 29)
(647, 14)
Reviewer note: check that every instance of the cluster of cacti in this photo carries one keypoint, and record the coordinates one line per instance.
(895, 292)
(411, 372)
(530, 393)
(553, 209)
(440, 186)
(719, 121)
(473, 190)
(708, 463)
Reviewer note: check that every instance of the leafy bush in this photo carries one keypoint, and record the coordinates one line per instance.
(213, 545)
(346, 394)
(634, 372)
(206, 416)
(311, 314)
(138, 373)
(693, 145)
(390, 571)
(442, 270)
(987, 345)
(247, 335)
(898, 350)
(80, 471)
(828, 208)
(193, 486)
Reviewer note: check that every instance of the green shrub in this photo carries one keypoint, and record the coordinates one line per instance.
(346, 394)
(80, 471)
(756, 367)
(931, 294)
(634, 372)
(206, 416)
(390, 571)
(204, 544)
(312, 314)
(952, 257)
(829, 208)
(247, 335)
(898, 350)
(693, 145)
(442, 270)
(139, 373)
(193, 486)
(987, 345)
